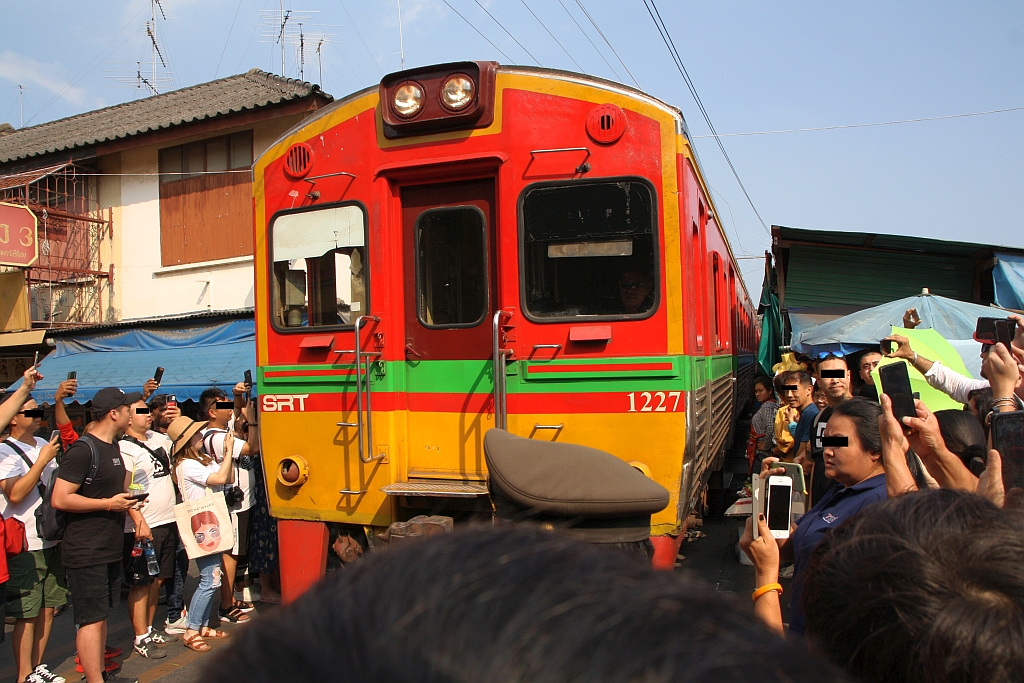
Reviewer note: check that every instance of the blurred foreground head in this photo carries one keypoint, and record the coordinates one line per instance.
(511, 605)
(924, 588)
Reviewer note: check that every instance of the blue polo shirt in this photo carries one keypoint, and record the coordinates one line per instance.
(804, 426)
(837, 506)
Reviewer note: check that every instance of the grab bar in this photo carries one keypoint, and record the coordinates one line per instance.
(500, 406)
(365, 454)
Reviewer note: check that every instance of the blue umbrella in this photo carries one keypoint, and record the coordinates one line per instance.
(952, 319)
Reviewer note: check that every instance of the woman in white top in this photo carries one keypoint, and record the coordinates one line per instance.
(198, 471)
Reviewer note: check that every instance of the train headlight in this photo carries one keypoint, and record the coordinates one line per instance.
(408, 99)
(457, 92)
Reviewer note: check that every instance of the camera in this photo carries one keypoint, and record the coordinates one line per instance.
(233, 496)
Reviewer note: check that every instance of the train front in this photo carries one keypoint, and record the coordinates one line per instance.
(465, 247)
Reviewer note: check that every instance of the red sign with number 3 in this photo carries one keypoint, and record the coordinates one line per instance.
(18, 243)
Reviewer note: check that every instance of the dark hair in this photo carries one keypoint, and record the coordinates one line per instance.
(801, 377)
(780, 382)
(924, 588)
(157, 402)
(983, 399)
(510, 605)
(830, 357)
(963, 434)
(765, 381)
(207, 399)
(864, 414)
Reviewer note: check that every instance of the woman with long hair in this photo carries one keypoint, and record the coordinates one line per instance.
(196, 471)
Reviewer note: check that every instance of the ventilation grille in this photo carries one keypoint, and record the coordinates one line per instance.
(298, 161)
(606, 123)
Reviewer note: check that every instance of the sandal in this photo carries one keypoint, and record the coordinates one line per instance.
(197, 643)
(214, 633)
(233, 615)
(243, 606)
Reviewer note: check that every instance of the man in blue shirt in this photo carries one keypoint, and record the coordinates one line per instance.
(799, 393)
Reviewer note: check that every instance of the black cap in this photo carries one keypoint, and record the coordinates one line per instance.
(588, 493)
(107, 399)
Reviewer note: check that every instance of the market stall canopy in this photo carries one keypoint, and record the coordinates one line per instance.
(951, 319)
(195, 357)
(1008, 278)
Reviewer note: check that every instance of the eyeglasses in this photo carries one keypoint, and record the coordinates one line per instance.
(201, 536)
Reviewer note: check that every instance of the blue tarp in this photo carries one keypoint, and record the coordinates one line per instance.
(951, 319)
(1008, 276)
(194, 358)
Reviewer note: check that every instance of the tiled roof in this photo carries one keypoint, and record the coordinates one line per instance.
(204, 101)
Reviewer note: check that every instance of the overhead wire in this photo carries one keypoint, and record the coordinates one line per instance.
(608, 42)
(552, 35)
(227, 40)
(535, 60)
(365, 46)
(865, 125)
(585, 35)
(666, 37)
(478, 31)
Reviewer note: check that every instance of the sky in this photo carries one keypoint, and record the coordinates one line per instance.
(756, 67)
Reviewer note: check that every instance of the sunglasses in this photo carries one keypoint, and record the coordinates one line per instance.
(640, 284)
(201, 536)
(826, 354)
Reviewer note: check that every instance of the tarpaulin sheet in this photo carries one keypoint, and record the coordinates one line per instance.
(194, 358)
(1008, 276)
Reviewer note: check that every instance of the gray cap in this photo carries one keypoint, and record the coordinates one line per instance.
(587, 492)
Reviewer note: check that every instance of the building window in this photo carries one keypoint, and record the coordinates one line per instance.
(319, 266)
(451, 267)
(206, 200)
(589, 250)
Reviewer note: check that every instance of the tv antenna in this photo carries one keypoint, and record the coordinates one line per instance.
(287, 27)
(401, 39)
(159, 74)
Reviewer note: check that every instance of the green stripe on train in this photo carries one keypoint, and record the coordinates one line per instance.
(474, 376)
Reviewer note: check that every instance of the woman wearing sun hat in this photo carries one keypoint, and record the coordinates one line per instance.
(198, 471)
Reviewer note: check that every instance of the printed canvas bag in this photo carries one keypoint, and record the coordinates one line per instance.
(204, 525)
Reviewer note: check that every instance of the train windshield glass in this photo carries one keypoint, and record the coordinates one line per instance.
(589, 250)
(319, 269)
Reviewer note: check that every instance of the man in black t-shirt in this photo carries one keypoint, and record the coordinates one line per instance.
(93, 539)
(833, 376)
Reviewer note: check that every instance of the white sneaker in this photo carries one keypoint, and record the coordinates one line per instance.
(44, 675)
(179, 626)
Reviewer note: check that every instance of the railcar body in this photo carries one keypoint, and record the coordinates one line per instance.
(534, 249)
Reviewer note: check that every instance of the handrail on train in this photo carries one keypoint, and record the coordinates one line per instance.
(500, 406)
(365, 454)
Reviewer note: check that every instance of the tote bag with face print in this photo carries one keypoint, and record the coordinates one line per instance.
(204, 525)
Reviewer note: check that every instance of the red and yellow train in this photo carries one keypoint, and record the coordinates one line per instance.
(470, 246)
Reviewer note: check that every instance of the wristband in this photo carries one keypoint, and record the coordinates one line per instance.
(767, 588)
(915, 359)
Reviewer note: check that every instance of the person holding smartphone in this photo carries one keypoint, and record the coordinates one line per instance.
(853, 458)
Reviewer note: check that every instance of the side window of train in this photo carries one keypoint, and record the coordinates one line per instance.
(319, 267)
(589, 250)
(451, 267)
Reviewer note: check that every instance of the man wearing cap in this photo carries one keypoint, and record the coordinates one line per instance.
(95, 503)
(586, 493)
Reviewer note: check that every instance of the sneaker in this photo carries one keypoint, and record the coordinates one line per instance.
(114, 678)
(248, 594)
(147, 648)
(45, 675)
(111, 652)
(110, 665)
(179, 625)
(161, 638)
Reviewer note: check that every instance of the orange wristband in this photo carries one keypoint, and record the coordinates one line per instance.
(767, 588)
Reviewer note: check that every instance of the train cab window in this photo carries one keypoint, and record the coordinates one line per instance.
(319, 267)
(451, 267)
(589, 250)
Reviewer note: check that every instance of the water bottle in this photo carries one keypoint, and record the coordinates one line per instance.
(151, 564)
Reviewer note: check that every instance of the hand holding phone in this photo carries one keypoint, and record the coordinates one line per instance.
(895, 380)
(1008, 439)
(778, 505)
(138, 497)
(158, 375)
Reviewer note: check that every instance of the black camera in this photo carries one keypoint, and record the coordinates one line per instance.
(233, 496)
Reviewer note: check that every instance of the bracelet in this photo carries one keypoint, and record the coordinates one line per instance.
(767, 588)
(915, 359)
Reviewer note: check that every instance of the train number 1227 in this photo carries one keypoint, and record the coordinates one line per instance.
(654, 402)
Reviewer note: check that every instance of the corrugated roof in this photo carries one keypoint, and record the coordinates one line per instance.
(238, 93)
(156, 321)
(871, 240)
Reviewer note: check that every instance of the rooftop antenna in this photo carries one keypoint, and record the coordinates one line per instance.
(401, 39)
(21, 104)
(285, 14)
(320, 61)
(302, 54)
(154, 5)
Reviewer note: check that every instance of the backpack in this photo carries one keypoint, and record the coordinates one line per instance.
(50, 522)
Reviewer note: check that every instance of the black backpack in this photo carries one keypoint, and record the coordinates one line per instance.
(50, 522)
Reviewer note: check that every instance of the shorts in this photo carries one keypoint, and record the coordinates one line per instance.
(95, 590)
(240, 522)
(165, 543)
(37, 581)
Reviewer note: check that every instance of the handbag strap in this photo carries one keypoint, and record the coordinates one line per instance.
(39, 484)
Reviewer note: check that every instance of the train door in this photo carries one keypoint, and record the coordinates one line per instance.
(449, 298)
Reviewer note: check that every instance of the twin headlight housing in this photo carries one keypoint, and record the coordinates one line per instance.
(457, 92)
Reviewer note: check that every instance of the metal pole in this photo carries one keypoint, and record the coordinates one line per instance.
(401, 39)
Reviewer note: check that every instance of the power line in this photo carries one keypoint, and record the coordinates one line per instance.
(599, 53)
(666, 37)
(535, 60)
(552, 35)
(601, 33)
(365, 46)
(227, 40)
(478, 31)
(864, 125)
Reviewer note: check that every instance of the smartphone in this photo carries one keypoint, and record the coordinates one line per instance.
(1005, 331)
(778, 505)
(1008, 439)
(172, 400)
(139, 496)
(35, 360)
(896, 384)
(795, 471)
(995, 330)
(887, 346)
(55, 434)
(248, 378)
(73, 374)
(158, 375)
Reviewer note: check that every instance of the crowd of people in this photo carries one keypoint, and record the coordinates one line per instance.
(112, 491)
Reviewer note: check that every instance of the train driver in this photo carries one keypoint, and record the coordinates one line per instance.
(635, 289)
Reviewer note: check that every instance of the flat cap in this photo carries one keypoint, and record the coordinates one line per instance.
(588, 492)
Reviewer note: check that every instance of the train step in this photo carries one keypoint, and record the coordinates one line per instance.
(439, 488)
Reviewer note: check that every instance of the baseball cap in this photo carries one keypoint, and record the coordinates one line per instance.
(107, 399)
